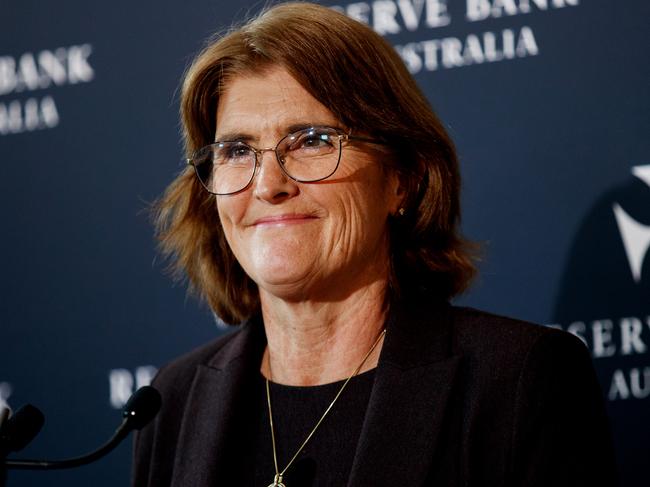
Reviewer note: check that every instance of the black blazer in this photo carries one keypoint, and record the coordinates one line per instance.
(461, 398)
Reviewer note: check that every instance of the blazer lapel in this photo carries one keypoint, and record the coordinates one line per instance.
(407, 406)
(209, 433)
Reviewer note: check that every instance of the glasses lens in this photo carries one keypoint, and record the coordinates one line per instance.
(311, 154)
(225, 167)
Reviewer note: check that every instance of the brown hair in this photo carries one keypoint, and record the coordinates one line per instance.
(360, 78)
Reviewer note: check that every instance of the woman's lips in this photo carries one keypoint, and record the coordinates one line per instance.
(288, 219)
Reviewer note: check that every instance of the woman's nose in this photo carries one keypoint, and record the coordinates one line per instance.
(271, 183)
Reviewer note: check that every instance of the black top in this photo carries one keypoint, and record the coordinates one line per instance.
(327, 458)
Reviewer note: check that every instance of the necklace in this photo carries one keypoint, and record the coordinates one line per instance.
(277, 480)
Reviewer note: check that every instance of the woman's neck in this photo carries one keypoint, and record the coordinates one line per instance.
(311, 343)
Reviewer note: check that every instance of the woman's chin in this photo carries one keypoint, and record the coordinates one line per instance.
(282, 264)
(285, 282)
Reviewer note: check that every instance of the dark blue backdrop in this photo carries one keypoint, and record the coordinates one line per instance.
(548, 102)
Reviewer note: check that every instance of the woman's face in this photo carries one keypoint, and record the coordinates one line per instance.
(296, 240)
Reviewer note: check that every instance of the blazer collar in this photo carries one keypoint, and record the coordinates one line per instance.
(409, 399)
(217, 406)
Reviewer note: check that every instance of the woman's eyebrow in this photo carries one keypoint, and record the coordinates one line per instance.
(238, 136)
(234, 137)
(300, 126)
(305, 125)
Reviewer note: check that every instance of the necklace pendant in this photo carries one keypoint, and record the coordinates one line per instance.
(277, 481)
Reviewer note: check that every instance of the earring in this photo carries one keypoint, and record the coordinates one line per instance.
(401, 211)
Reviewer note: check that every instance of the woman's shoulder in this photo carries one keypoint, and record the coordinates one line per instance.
(155, 444)
(506, 352)
(428, 328)
(531, 389)
(179, 372)
(490, 338)
(476, 331)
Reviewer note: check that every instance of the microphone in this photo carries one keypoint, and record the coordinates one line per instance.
(140, 409)
(5, 412)
(19, 429)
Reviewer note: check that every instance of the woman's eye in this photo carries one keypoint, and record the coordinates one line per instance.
(238, 151)
(312, 141)
(233, 153)
(315, 141)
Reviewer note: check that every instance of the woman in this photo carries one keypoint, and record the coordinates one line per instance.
(320, 210)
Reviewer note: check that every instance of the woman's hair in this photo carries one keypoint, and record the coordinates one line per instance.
(360, 78)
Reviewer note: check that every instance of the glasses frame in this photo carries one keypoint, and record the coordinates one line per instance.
(342, 137)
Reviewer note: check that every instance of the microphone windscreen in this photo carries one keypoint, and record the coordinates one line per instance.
(5, 412)
(22, 427)
(142, 407)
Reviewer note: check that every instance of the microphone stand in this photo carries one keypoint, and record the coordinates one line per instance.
(122, 432)
(140, 409)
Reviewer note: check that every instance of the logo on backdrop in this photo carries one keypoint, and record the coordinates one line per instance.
(123, 382)
(22, 79)
(635, 235)
(606, 286)
(390, 17)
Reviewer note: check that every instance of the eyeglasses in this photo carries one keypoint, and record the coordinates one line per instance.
(306, 156)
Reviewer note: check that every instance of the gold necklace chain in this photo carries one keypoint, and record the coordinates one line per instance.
(277, 481)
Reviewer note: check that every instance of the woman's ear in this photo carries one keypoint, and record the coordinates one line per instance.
(397, 192)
